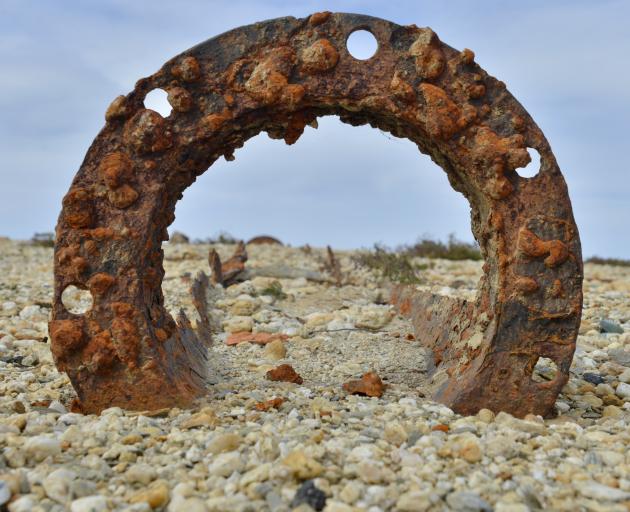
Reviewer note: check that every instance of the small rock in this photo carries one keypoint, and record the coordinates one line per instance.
(179, 504)
(351, 492)
(620, 356)
(284, 373)
(338, 506)
(370, 472)
(244, 306)
(464, 446)
(623, 390)
(275, 350)
(395, 433)
(531, 427)
(593, 378)
(465, 501)
(140, 473)
(40, 447)
(89, 504)
(610, 326)
(225, 464)
(611, 411)
(57, 484)
(625, 376)
(156, 496)
(318, 320)
(602, 492)
(375, 317)
(5, 492)
(414, 501)
(309, 494)
(224, 443)
(177, 237)
(486, 415)
(239, 324)
(370, 384)
(23, 504)
(302, 466)
(204, 418)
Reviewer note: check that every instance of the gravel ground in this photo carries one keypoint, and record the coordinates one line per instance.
(317, 448)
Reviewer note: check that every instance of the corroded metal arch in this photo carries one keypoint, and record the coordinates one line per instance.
(278, 76)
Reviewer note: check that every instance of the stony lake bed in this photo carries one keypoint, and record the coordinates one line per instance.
(253, 444)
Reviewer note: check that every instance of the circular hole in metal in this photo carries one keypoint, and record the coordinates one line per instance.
(362, 44)
(532, 168)
(76, 301)
(545, 370)
(157, 100)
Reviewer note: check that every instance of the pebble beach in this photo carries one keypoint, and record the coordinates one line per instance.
(254, 444)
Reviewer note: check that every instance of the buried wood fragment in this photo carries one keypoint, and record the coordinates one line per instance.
(333, 266)
(226, 273)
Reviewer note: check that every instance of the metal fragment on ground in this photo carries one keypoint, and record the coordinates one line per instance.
(278, 76)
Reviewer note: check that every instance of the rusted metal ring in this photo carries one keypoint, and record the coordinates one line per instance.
(278, 76)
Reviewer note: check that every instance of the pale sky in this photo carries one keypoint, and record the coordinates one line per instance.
(62, 62)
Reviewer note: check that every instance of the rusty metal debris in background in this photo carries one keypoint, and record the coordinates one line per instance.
(279, 76)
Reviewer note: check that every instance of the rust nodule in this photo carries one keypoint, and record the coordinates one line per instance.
(279, 76)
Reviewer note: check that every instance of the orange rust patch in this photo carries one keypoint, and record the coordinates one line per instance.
(101, 233)
(77, 267)
(319, 57)
(318, 18)
(556, 290)
(467, 56)
(78, 210)
(187, 70)
(401, 89)
(213, 122)
(180, 99)
(66, 336)
(532, 246)
(476, 91)
(527, 285)
(123, 309)
(126, 340)
(146, 132)
(117, 109)
(429, 57)
(268, 81)
(115, 169)
(123, 196)
(100, 283)
(161, 334)
(442, 114)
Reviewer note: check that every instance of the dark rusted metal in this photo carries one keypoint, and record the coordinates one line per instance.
(278, 76)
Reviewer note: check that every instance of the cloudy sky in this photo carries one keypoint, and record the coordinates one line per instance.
(62, 62)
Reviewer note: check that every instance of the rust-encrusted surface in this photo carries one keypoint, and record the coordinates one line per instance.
(278, 76)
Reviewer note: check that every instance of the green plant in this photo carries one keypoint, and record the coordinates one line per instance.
(454, 249)
(616, 262)
(275, 290)
(394, 266)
